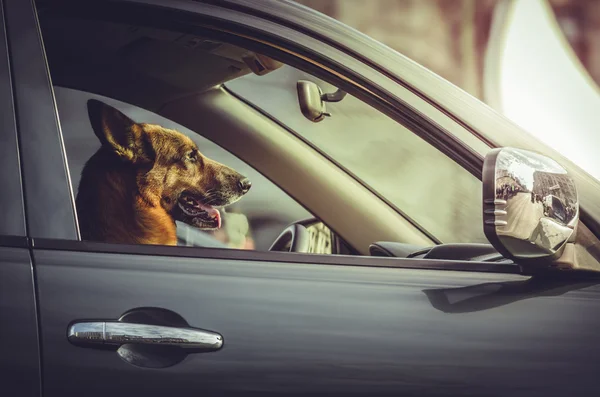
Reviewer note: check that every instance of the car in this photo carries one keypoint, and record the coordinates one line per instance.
(373, 255)
(554, 206)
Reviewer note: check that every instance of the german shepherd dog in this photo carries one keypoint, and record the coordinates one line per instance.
(145, 177)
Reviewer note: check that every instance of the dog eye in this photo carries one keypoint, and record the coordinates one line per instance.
(192, 156)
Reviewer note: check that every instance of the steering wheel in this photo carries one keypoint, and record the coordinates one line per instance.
(295, 238)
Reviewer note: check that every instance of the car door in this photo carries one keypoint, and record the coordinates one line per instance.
(19, 361)
(117, 319)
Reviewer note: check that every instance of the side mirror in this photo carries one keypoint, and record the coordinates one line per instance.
(530, 205)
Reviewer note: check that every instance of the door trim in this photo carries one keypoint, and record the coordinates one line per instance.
(45, 172)
(280, 257)
(11, 198)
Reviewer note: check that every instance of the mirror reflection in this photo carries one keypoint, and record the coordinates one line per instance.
(536, 204)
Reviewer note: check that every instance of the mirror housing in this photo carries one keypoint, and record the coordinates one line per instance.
(312, 100)
(530, 206)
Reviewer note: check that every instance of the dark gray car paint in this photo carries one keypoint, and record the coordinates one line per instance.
(50, 211)
(303, 329)
(19, 353)
(11, 198)
(19, 349)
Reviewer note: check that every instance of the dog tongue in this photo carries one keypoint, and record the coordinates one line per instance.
(214, 214)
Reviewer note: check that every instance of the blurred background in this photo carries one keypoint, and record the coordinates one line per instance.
(535, 61)
(451, 37)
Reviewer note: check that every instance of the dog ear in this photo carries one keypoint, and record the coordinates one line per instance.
(118, 132)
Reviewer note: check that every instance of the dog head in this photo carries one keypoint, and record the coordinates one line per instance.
(169, 169)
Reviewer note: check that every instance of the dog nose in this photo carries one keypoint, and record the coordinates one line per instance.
(245, 185)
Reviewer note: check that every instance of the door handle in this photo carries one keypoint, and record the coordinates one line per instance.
(116, 333)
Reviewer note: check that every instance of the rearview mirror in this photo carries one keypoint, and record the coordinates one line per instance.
(530, 205)
(312, 100)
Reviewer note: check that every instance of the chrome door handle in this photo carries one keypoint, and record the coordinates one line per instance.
(116, 333)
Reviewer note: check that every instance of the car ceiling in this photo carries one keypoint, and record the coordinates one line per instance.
(144, 66)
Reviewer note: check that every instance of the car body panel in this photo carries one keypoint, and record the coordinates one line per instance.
(19, 361)
(306, 329)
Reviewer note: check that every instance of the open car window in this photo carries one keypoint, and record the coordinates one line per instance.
(251, 223)
(182, 77)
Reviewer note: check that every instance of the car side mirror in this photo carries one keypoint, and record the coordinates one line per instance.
(530, 206)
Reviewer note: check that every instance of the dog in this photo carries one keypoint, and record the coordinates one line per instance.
(145, 177)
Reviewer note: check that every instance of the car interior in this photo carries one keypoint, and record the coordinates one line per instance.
(180, 77)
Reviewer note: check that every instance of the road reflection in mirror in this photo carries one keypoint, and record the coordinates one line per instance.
(536, 203)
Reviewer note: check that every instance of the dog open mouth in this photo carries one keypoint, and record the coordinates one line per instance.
(203, 216)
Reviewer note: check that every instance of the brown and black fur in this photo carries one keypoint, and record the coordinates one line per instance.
(130, 187)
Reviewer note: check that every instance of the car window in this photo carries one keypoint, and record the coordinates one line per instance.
(419, 180)
(158, 69)
(251, 223)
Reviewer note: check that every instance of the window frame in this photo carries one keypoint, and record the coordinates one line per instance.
(44, 172)
(13, 226)
(227, 254)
